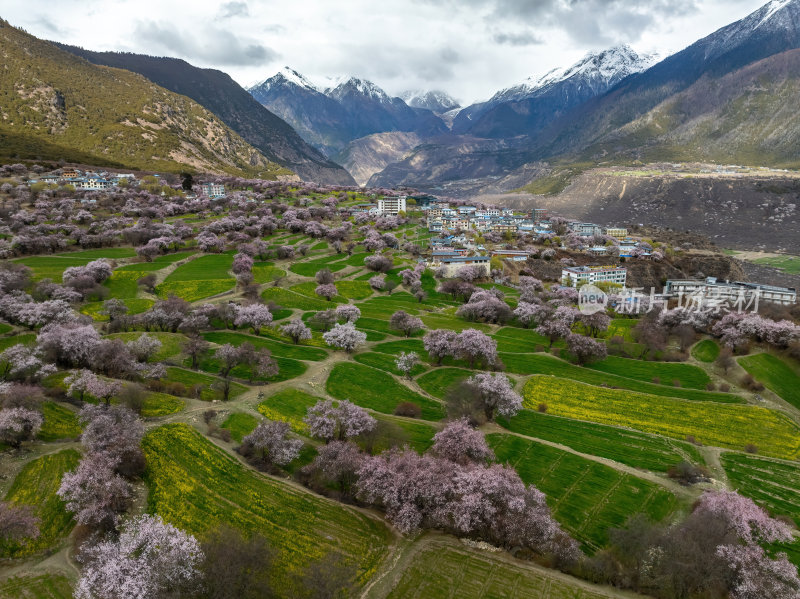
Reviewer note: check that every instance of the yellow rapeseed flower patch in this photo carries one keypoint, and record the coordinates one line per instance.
(196, 486)
(723, 425)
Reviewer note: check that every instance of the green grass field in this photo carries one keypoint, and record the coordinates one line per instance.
(96, 254)
(136, 305)
(170, 343)
(284, 350)
(527, 339)
(291, 405)
(309, 268)
(158, 263)
(789, 264)
(288, 405)
(444, 569)
(357, 290)
(404, 345)
(689, 376)
(41, 586)
(161, 404)
(190, 378)
(722, 425)
(438, 381)
(441, 321)
(376, 390)
(550, 365)
(586, 497)
(52, 267)
(386, 362)
(122, 284)
(287, 369)
(398, 432)
(776, 375)
(621, 327)
(289, 299)
(202, 277)
(196, 486)
(240, 425)
(264, 272)
(772, 484)
(59, 422)
(204, 268)
(36, 485)
(191, 291)
(632, 448)
(706, 351)
(26, 338)
(308, 289)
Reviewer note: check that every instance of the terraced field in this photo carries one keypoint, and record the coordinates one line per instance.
(158, 263)
(52, 267)
(386, 362)
(240, 425)
(161, 404)
(288, 405)
(189, 378)
(586, 497)
(170, 343)
(772, 484)
(722, 425)
(449, 571)
(36, 485)
(550, 365)
(706, 351)
(196, 486)
(776, 375)
(377, 390)
(287, 369)
(44, 586)
(632, 448)
(59, 422)
(437, 382)
(284, 350)
(667, 372)
(290, 299)
(202, 277)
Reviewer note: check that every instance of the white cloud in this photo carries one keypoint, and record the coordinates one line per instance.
(469, 48)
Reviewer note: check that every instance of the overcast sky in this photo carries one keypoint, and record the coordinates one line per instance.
(469, 48)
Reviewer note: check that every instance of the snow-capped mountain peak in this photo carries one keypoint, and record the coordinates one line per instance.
(342, 86)
(771, 8)
(286, 76)
(777, 17)
(434, 100)
(604, 68)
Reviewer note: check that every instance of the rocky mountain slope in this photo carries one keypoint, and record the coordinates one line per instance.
(528, 107)
(740, 212)
(220, 94)
(368, 155)
(723, 98)
(57, 105)
(771, 30)
(350, 108)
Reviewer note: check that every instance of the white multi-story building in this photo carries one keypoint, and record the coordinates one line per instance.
(731, 291)
(213, 190)
(94, 183)
(451, 265)
(576, 276)
(391, 206)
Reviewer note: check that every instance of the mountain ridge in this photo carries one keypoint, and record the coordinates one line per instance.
(346, 109)
(221, 95)
(57, 99)
(601, 128)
